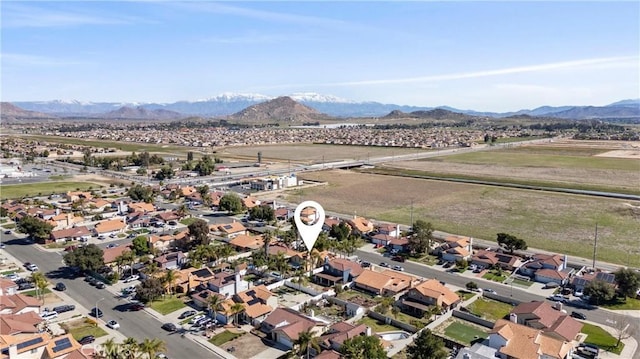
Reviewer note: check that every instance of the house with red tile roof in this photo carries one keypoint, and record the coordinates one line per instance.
(421, 299)
(284, 325)
(360, 225)
(8, 287)
(488, 259)
(18, 303)
(386, 283)
(70, 234)
(109, 255)
(27, 322)
(514, 340)
(230, 230)
(338, 270)
(541, 315)
(244, 243)
(258, 303)
(337, 333)
(110, 226)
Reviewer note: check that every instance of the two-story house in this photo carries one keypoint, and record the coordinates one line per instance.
(541, 315)
(546, 268)
(174, 260)
(284, 325)
(338, 270)
(258, 303)
(423, 297)
(337, 333)
(512, 340)
(227, 283)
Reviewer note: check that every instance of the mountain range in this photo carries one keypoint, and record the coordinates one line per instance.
(238, 106)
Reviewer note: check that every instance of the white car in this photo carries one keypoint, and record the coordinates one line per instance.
(487, 290)
(131, 278)
(196, 319)
(14, 277)
(46, 315)
(113, 324)
(558, 298)
(32, 267)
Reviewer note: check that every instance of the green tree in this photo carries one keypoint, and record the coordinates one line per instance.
(190, 156)
(236, 309)
(41, 284)
(166, 172)
(214, 302)
(231, 203)
(628, 281)
(199, 230)
(140, 245)
(422, 237)
(427, 346)
(305, 342)
(362, 346)
(170, 277)
(511, 242)
(471, 286)
(87, 258)
(149, 289)
(151, 347)
(340, 231)
(141, 193)
(204, 194)
(599, 291)
(205, 166)
(35, 228)
(265, 213)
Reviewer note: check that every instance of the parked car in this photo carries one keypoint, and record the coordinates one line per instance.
(113, 325)
(96, 312)
(61, 286)
(87, 339)
(558, 298)
(7, 231)
(578, 315)
(448, 265)
(384, 264)
(196, 319)
(100, 285)
(48, 315)
(170, 327)
(398, 268)
(398, 258)
(578, 293)
(32, 267)
(112, 245)
(26, 285)
(131, 278)
(489, 290)
(134, 307)
(64, 308)
(14, 277)
(365, 264)
(187, 314)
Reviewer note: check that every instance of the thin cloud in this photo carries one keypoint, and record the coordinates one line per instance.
(22, 60)
(250, 39)
(21, 15)
(621, 61)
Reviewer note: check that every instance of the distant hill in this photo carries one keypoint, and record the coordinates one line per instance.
(435, 114)
(281, 109)
(141, 113)
(9, 111)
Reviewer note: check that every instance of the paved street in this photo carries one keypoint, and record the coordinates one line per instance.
(137, 325)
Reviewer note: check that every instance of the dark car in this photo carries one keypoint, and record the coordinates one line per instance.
(87, 340)
(134, 307)
(448, 265)
(64, 308)
(398, 258)
(365, 264)
(61, 287)
(96, 312)
(170, 327)
(187, 314)
(579, 315)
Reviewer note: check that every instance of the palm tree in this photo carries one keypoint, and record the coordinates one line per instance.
(214, 302)
(306, 341)
(395, 311)
(41, 284)
(152, 346)
(236, 309)
(110, 349)
(129, 348)
(182, 211)
(224, 251)
(169, 278)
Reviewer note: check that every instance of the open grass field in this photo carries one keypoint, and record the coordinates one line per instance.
(573, 164)
(555, 222)
(464, 333)
(316, 153)
(43, 188)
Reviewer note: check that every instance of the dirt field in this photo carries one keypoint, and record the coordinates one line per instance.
(313, 153)
(555, 222)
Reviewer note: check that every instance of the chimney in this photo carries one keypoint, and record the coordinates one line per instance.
(237, 283)
(397, 231)
(368, 331)
(57, 211)
(565, 260)
(513, 317)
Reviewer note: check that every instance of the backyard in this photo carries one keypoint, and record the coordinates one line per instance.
(360, 298)
(489, 309)
(376, 325)
(464, 333)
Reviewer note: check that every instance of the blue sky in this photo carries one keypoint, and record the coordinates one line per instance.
(491, 56)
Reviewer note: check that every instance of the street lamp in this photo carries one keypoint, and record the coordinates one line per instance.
(96, 308)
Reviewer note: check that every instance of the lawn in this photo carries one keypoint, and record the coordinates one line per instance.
(9, 226)
(224, 337)
(376, 325)
(167, 305)
(43, 188)
(598, 336)
(494, 276)
(465, 294)
(464, 333)
(522, 283)
(490, 309)
(188, 221)
(33, 293)
(82, 328)
(628, 304)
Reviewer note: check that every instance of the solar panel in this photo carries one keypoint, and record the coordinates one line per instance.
(227, 226)
(62, 344)
(29, 343)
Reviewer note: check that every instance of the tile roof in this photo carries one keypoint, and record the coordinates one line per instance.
(27, 322)
(17, 302)
(110, 225)
(388, 279)
(247, 241)
(551, 273)
(434, 289)
(341, 331)
(230, 228)
(141, 207)
(110, 254)
(342, 265)
(361, 224)
(528, 343)
(549, 319)
(76, 232)
(290, 322)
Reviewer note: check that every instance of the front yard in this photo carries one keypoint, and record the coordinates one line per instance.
(490, 309)
(224, 337)
(82, 327)
(618, 304)
(167, 305)
(598, 336)
(495, 276)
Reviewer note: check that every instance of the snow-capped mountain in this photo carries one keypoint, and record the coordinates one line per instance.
(229, 103)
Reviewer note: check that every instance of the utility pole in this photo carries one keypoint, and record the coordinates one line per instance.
(595, 247)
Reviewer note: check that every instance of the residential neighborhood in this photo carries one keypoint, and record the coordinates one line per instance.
(250, 289)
